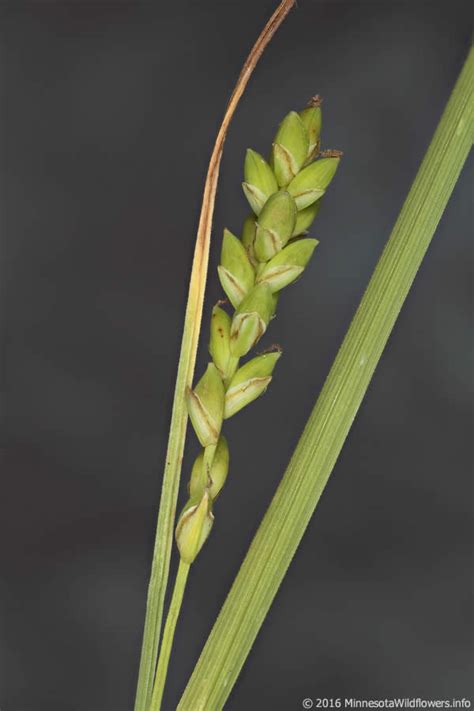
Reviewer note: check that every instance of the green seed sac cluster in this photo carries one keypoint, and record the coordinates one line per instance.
(273, 251)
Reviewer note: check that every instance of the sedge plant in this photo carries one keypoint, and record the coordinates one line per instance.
(272, 251)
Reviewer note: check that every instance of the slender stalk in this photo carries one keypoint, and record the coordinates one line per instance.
(192, 324)
(315, 456)
(168, 635)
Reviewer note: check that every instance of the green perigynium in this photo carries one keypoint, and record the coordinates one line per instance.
(290, 148)
(259, 180)
(251, 320)
(249, 382)
(274, 226)
(194, 525)
(311, 183)
(235, 271)
(215, 475)
(284, 194)
(206, 406)
(312, 119)
(288, 264)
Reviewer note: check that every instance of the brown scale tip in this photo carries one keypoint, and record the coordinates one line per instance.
(222, 302)
(331, 153)
(274, 348)
(314, 102)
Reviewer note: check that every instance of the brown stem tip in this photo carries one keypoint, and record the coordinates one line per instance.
(331, 153)
(274, 348)
(315, 102)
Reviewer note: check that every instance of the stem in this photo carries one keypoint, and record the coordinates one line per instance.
(298, 494)
(168, 635)
(192, 325)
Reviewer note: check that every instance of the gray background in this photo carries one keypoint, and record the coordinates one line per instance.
(111, 111)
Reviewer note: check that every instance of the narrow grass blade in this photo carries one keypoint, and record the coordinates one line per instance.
(298, 494)
(189, 344)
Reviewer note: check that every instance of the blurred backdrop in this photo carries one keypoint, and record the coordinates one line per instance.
(110, 112)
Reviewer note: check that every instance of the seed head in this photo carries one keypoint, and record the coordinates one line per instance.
(285, 197)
